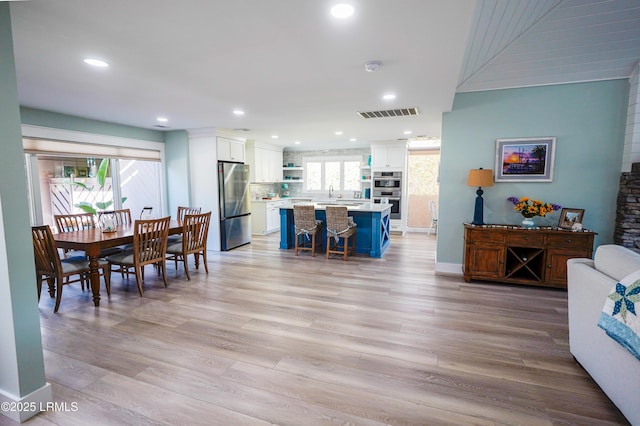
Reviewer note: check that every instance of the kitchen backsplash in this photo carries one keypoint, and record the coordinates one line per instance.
(260, 190)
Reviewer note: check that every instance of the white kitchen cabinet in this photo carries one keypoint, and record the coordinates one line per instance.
(265, 162)
(230, 150)
(265, 216)
(388, 157)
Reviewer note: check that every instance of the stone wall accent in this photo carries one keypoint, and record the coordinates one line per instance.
(627, 228)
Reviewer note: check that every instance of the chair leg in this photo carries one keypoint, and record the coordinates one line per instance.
(163, 266)
(295, 249)
(313, 245)
(196, 257)
(204, 260)
(186, 267)
(345, 249)
(59, 286)
(106, 274)
(328, 245)
(139, 279)
(39, 279)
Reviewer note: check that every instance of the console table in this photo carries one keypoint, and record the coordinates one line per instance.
(515, 255)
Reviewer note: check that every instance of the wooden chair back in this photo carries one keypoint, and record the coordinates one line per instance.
(195, 229)
(46, 256)
(150, 240)
(74, 222)
(122, 216)
(182, 211)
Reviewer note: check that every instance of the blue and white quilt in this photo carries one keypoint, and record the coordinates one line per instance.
(620, 316)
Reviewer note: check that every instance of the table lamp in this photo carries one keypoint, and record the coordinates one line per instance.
(479, 177)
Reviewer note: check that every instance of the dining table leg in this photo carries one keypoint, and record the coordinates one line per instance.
(94, 277)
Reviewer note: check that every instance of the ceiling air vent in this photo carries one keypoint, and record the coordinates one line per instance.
(400, 112)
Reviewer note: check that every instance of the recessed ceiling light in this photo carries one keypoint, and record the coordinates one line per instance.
(407, 132)
(274, 136)
(338, 133)
(353, 140)
(238, 112)
(96, 62)
(297, 142)
(342, 10)
(372, 66)
(389, 97)
(162, 119)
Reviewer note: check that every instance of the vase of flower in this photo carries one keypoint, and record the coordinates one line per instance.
(528, 222)
(529, 209)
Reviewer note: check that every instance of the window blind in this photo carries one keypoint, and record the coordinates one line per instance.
(78, 149)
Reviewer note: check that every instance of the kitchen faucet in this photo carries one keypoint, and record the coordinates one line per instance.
(330, 190)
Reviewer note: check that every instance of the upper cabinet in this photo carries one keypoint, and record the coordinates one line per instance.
(230, 150)
(387, 156)
(265, 162)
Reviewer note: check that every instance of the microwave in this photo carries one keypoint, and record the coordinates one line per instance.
(387, 175)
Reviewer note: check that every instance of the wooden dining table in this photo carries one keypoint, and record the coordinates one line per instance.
(93, 241)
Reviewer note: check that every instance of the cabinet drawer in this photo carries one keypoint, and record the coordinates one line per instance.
(571, 240)
(526, 239)
(483, 236)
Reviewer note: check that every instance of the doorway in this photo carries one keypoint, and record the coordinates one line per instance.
(423, 188)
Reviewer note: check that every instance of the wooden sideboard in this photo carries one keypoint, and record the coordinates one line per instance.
(515, 255)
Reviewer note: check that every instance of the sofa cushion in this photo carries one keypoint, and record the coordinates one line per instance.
(616, 261)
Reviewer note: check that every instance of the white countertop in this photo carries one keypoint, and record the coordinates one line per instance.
(351, 206)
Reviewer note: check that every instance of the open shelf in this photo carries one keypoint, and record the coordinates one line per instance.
(525, 263)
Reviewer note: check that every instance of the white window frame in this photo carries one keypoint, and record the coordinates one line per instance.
(323, 160)
(97, 142)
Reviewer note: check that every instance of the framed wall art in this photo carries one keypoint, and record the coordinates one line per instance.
(569, 217)
(525, 159)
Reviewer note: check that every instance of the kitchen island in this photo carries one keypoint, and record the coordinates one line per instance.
(372, 235)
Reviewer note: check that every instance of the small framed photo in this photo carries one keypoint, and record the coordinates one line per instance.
(569, 217)
(525, 159)
(69, 170)
(82, 172)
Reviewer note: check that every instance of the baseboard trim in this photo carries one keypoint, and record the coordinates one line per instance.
(448, 268)
(29, 405)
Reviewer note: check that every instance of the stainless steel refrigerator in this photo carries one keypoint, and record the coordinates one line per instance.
(235, 204)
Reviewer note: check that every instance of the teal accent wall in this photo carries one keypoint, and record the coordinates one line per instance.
(37, 117)
(177, 166)
(588, 120)
(21, 361)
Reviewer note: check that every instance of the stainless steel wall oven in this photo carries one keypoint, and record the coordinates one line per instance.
(388, 186)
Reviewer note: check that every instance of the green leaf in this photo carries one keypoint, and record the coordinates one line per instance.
(86, 207)
(102, 171)
(82, 185)
(103, 205)
(123, 200)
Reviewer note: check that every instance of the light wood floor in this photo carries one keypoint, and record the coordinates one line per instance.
(268, 338)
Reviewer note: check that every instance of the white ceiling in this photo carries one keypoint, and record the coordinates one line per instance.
(296, 71)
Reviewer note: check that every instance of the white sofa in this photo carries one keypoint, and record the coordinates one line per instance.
(613, 368)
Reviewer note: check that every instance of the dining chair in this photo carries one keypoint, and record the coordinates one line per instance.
(58, 272)
(195, 228)
(340, 227)
(122, 216)
(74, 222)
(433, 209)
(306, 227)
(149, 248)
(182, 211)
